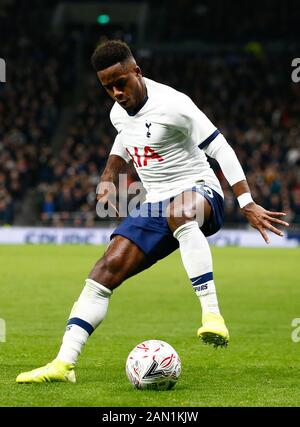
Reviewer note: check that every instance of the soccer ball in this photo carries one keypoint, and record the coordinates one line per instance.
(153, 364)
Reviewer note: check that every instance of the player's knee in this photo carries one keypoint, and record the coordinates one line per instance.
(181, 210)
(179, 215)
(174, 223)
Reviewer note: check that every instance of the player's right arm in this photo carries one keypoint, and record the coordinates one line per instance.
(116, 162)
(110, 175)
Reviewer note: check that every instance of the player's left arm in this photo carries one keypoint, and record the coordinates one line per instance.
(257, 216)
(196, 124)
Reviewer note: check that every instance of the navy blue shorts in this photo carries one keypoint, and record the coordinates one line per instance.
(151, 233)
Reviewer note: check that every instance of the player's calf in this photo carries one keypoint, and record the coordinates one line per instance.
(197, 260)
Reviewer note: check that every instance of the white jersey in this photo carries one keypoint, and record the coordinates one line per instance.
(163, 140)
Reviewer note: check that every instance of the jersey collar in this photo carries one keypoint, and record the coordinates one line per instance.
(133, 113)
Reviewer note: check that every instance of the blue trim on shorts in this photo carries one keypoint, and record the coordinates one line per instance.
(216, 202)
(152, 233)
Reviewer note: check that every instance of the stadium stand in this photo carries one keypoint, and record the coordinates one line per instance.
(256, 111)
(245, 90)
(30, 104)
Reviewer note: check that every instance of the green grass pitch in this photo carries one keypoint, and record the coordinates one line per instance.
(259, 295)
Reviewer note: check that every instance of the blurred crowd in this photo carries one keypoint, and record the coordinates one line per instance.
(67, 188)
(29, 111)
(224, 20)
(249, 98)
(69, 179)
(247, 93)
(30, 103)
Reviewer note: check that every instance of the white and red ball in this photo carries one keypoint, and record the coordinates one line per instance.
(153, 364)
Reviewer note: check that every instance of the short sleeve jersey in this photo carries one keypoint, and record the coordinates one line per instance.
(162, 139)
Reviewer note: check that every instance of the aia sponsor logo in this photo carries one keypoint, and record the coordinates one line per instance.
(140, 158)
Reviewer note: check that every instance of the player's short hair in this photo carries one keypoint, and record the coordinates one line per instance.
(109, 53)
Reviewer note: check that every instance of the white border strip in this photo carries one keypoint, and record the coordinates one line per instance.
(98, 236)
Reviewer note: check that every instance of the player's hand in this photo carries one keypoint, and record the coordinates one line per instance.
(102, 193)
(262, 220)
(105, 191)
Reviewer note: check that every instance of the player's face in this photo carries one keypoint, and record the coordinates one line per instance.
(124, 84)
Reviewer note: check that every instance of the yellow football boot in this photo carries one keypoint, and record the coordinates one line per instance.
(213, 331)
(57, 370)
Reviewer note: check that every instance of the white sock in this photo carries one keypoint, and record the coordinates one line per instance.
(197, 260)
(87, 313)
